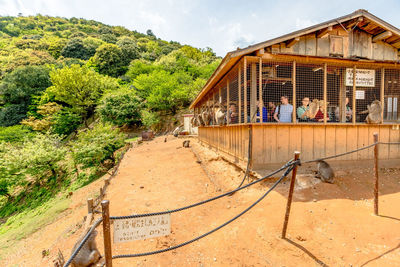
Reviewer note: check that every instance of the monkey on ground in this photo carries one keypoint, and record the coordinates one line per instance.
(186, 143)
(325, 172)
(89, 254)
(374, 112)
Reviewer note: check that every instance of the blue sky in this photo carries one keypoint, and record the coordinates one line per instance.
(222, 25)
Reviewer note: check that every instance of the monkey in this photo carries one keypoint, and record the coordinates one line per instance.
(313, 109)
(220, 116)
(89, 254)
(374, 112)
(186, 143)
(325, 172)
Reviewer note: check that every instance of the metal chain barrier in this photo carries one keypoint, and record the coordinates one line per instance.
(289, 169)
(287, 165)
(389, 143)
(76, 251)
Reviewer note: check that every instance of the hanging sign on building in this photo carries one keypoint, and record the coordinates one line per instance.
(364, 77)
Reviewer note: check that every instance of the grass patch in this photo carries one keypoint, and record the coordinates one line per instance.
(27, 222)
(129, 140)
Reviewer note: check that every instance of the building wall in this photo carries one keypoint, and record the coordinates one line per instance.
(275, 143)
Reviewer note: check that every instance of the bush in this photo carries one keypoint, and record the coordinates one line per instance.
(120, 107)
(16, 133)
(150, 119)
(12, 114)
(93, 146)
(65, 122)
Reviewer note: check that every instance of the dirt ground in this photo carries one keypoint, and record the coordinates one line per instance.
(330, 224)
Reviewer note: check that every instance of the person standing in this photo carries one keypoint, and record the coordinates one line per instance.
(283, 113)
(301, 111)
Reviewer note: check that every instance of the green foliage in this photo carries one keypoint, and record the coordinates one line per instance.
(120, 107)
(149, 119)
(75, 48)
(14, 134)
(129, 49)
(93, 146)
(109, 60)
(65, 122)
(17, 90)
(79, 87)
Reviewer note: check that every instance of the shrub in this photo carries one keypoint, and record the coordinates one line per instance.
(16, 133)
(150, 119)
(120, 107)
(93, 146)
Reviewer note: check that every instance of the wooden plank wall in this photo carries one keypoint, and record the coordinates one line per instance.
(275, 143)
(232, 140)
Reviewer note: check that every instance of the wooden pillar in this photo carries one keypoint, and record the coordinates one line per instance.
(106, 232)
(294, 120)
(325, 92)
(382, 91)
(245, 88)
(227, 102)
(376, 170)
(260, 91)
(290, 195)
(354, 95)
(240, 93)
(90, 205)
(253, 92)
(342, 96)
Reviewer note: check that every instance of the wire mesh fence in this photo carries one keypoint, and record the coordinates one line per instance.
(256, 90)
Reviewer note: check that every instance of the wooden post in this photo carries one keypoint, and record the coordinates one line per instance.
(101, 192)
(376, 169)
(245, 89)
(382, 91)
(106, 232)
(227, 102)
(260, 91)
(90, 205)
(294, 92)
(342, 97)
(325, 93)
(240, 94)
(290, 195)
(253, 92)
(354, 95)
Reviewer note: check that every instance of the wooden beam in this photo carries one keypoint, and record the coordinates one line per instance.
(342, 97)
(253, 92)
(325, 92)
(260, 52)
(354, 95)
(260, 92)
(351, 25)
(227, 101)
(292, 42)
(240, 93)
(382, 36)
(294, 92)
(324, 32)
(382, 91)
(245, 89)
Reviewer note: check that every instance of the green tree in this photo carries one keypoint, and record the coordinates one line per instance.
(75, 48)
(129, 49)
(109, 60)
(17, 90)
(120, 107)
(79, 87)
(94, 146)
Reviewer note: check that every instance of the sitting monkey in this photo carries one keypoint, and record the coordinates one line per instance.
(374, 112)
(313, 109)
(88, 254)
(325, 172)
(220, 116)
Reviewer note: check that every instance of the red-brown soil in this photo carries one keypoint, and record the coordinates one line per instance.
(330, 224)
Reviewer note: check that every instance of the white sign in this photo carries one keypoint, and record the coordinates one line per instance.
(360, 94)
(142, 228)
(364, 77)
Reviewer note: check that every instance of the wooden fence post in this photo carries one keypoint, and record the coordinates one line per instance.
(106, 232)
(376, 169)
(290, 196)
(90, 205)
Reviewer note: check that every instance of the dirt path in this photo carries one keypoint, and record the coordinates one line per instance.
(329, 224)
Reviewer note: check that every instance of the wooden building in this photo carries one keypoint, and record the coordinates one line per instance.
(353, 58)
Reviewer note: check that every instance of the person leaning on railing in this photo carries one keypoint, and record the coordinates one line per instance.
(283, 113)
(260, 106)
